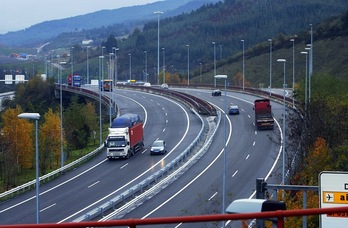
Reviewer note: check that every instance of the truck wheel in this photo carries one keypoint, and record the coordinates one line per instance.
(129, 154)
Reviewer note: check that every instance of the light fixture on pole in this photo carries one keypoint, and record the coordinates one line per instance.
(243, 64)
(188, 65)
(306, 79)
(270, 67)
(146, 79)
(164, 66)
(293, 72)
(100, 95)
(214, 65)
(130, 66)
(116, 76)
(284, 117)
(200, 72)
(158, 42)
(36, 117)
(225, 141)
(87, 66)
(61, 115)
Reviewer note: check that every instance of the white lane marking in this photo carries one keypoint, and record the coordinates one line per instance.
(247, 157)
(166, 121)
(255, 132)
(254, 143)
(146, 171)
(44, 209)
(213, 196)
(235, 173)
(164, 130)
(93, 184)
(249, 116)
(144, 151)
(123, 166)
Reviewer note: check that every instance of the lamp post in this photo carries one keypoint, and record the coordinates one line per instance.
(158, 42)
(61, 115)
(164, 66)
(224, 157)
(111, 76)
(100, 95)
(243, 63)
(130, 66)
(284, 117)
(306, 86)
(145, 66)
(116, 76)
(214, 65)
(72, 61)
(188, 65)
(293, 71)
(200, 72)
(311, 60)
(87, 66)
(270, 67)
(36, 117)
(309, 49)
(220, 48)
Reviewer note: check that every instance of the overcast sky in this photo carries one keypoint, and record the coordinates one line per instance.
(19, 14)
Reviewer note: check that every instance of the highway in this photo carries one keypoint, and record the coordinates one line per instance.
(250, 154)
(89, 185)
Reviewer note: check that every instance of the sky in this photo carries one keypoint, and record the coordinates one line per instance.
(20, 14)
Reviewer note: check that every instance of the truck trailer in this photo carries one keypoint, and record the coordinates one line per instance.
(126, 137)
(263, 114)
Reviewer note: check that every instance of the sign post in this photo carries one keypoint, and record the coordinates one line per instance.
(333, 193)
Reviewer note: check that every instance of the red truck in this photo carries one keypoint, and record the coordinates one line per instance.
(126, 136)
(263, 114)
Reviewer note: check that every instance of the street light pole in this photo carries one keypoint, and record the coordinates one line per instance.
(188, 65)
(158, 42)
(200, 72)
(284, 117)
(72, 61)
(270, 67)
(100, 94)
(146, 80)
(293, 71)
(87, 66)
(243, 63)
(36, 117)
(61, 115)
(116, 76)
(225, 142)
(309, 49)
(214, 64)
(164, 66)
(130, 66)
(306, 86)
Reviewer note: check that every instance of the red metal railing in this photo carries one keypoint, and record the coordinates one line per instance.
(279, 215)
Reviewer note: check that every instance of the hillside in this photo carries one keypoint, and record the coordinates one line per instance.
(126, 19)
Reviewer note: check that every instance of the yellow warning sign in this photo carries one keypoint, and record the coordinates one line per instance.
(335, 197)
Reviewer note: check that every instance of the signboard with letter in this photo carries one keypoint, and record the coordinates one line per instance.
(333, 193)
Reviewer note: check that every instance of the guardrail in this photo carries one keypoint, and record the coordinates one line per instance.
(94, 95)
(146, 189)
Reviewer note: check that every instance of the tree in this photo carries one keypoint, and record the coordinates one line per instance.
(18, 139)
(50, 152)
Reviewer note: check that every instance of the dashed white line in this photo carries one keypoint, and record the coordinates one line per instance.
(93, 184)
(123, 166)
(235, 173)
(213, 196)
(249, 116)
(44, 209)
(255, 132)
(254, 143)
(247, 157)
(164, 130)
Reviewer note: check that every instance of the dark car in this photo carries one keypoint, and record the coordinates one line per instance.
(233, 110)
(158, 147)
(216, 92)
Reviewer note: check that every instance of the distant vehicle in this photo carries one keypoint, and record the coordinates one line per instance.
(216, 92)
(147, 84)
(74, 80)
(126, 136)
(263, 114)
(158, 147)
(164, 86)
(233, 110)
(106, 85)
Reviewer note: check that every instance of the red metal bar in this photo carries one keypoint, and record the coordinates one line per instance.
(192, 219)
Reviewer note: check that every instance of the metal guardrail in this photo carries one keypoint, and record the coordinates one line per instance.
(147, 188)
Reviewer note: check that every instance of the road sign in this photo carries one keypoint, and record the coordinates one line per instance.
(333, 190)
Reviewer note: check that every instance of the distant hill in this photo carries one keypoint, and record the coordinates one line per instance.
(126, 18)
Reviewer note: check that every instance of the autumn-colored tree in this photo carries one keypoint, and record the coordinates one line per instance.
(18, 141)
(50, 150)
(91, 119)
